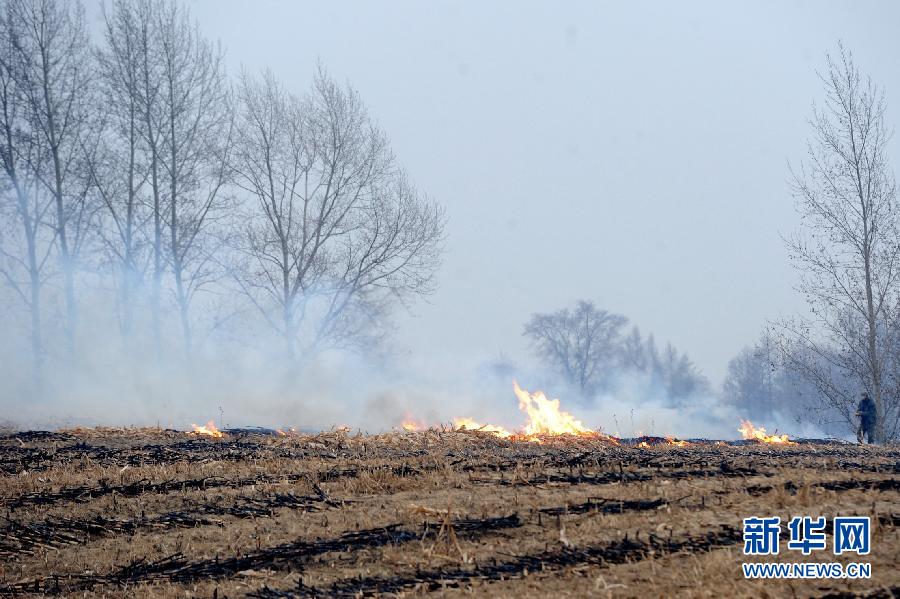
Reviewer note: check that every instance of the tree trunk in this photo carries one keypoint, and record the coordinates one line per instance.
(184, 313)
(128, 267)
(30, 228)
(66, 261)
(181, 293)
(156, 285)
(874, 363)
(34, 276)
(289, 333)
(177, 256)
(66, 258)
(37, 350)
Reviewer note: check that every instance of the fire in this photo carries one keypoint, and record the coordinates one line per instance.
(411, 424)
(470, 425)
(750, 432)
(676, 442)
(209, 430)
(544, 419)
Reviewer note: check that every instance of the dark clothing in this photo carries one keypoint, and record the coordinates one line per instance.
(869, 433)
(866, 412)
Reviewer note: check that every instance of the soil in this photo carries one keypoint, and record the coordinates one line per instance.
(160, 513)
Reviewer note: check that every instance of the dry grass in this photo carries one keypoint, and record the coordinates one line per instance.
(418, 513)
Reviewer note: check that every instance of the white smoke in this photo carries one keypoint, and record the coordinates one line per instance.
(245, 386)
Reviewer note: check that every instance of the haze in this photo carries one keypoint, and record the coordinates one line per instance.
(635, 154)
(495, 164)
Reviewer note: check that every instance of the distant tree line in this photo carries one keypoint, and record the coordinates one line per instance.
(593, 350)
(135, 169)
(762, 387)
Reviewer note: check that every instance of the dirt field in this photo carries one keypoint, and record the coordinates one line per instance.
(144, 513)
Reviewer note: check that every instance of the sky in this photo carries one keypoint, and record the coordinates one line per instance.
(631, 153)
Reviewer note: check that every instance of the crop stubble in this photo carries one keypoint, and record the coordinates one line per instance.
(148, 512)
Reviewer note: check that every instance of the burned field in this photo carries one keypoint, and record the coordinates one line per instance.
(145, 512)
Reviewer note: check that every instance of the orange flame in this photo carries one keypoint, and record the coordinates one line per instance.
(412, 425)
(209, 430)
(751, 433)
(676, 442)
(470, 425)
(544, 419)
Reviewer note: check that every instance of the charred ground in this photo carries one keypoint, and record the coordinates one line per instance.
(147, 512)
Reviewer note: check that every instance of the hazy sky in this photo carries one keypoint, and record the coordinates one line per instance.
(630, 153)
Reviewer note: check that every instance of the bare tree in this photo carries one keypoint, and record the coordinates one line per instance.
(633, 353)
(170, 126)
(195, 147)
(118, 164)
(680, 377)
(133, 70)
(334, 231)
(145, 15)
(751, 381)
(54, 76)
(761, 384)
(26, 241)
(583, 344)
(848, 253)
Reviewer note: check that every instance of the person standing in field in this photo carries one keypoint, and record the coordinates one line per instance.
(866, 413)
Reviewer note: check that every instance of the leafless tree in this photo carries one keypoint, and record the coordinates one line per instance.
(751, 379)
(118, 163)
(170, 126)
(583, 344)
(133, 68)
(633, 354)
(848, 253)
(680, 377)
(54, 74)
(145, 15)
(334, 231)
(195, 145)
(129, 148)
(762, 384)
(26, 240)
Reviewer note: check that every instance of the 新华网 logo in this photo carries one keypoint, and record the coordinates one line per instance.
(849, 534)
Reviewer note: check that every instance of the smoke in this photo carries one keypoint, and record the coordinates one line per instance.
(239, 377)
(636, 406)
(252, 385)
